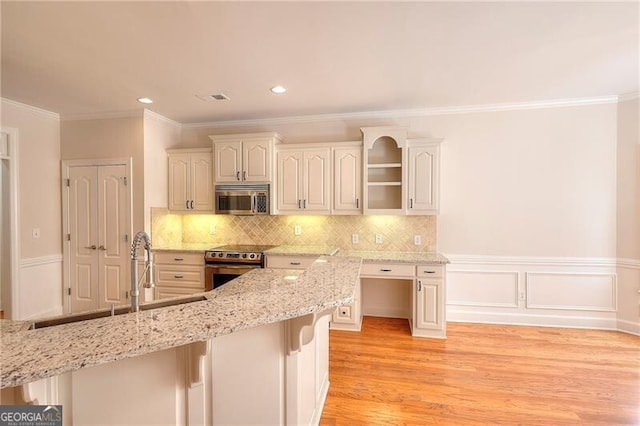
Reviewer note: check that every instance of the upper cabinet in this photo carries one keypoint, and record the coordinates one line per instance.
(424, 176)
(303, 180)
(245, 158)
(401, 176)
(190, 180)
(384, 150)
(347, 179)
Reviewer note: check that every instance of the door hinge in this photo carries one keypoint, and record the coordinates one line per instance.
(68, 237)
(126, 238)
(67, 182)
(69, 291)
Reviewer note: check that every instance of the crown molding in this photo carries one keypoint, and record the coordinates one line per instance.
(409, 113)
(38, 111)
(154, 115)
(133, 113)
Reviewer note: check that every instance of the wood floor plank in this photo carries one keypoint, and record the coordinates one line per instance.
(482, 374)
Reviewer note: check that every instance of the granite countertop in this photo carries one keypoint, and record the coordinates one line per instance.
(302, 251)
(259, 297)
(414, 257)
(194, 247)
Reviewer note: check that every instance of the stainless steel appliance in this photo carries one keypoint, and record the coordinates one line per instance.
(242, 199)
(225, 263)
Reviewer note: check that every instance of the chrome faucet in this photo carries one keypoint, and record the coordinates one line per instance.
(148, 267)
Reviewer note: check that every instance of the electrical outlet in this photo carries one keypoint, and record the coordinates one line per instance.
(378, 238)
(355, 239)
(212, 229)
(417, 240)
(297, 230)
(35, 233)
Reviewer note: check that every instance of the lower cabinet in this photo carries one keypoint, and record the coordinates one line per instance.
(290, 262)
(349, 317)
(178, 274)
(429, 303)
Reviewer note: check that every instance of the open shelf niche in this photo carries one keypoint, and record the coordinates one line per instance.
(385, 169)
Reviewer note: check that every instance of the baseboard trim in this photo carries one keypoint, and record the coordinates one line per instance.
(629, 327)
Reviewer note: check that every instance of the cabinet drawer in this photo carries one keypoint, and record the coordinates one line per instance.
(166, 292)
(429, 271)
(191, 277)
(290, 262)
(387, 269)
(178, 258)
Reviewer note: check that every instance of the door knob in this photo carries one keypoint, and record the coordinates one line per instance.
(93, 247)
(102, 248)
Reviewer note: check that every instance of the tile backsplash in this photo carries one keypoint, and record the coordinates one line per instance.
(336, 231)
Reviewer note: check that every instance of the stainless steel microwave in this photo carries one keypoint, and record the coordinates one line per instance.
(242, 199)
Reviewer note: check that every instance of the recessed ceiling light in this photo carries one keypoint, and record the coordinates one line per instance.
(278, 90)
(145, 101)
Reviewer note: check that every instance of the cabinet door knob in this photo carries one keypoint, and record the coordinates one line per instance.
(299, 204)
(244, 175)
(191, 204)
(419, 285)
(385, 270)
(294, 263)
(238, 175)
(178, 276)
(178, 259)
(411, 203)
(357, 203)
(428, 272)
(304, 204)
(186, 204)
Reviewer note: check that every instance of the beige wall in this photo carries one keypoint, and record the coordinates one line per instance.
(628, 176)
(537, 182)
(159, 135)
(39, 178)
(109, 138)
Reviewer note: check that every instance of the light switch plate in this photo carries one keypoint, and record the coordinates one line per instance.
(417, 240)
(355, 239)
(378, 238)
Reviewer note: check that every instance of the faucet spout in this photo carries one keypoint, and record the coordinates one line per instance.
(148, 266)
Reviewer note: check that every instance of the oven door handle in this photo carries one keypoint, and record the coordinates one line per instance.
(253, 203)
(233, 266)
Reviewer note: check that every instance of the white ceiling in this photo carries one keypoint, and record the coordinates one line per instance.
(87, 58)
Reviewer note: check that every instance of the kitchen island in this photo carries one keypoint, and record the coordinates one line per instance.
(260, 324)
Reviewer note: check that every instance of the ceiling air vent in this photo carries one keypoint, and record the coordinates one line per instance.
(214, 97)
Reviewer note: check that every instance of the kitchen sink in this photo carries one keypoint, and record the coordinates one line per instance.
(68, 319)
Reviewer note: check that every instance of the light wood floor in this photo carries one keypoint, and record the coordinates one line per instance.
(482, 374)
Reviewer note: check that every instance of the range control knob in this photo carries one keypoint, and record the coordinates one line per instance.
(220, 254)
(252, 255)
(244, 255)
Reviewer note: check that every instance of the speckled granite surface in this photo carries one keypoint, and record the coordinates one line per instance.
(262, 296)
(302, 251)
(195, 247)
(415, 257)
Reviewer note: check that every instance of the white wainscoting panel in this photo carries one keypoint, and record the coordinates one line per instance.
(483, 288)
(540, 291)
(571, 291)
(40, 293)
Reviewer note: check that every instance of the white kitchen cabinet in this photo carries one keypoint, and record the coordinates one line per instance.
(190, 180)
(424, 177)
(347, 180)
(178, 273)
(289, 262)
(384, 170)
(245, 158)
(429, 303)
(303, 180)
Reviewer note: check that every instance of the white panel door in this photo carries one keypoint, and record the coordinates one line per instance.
(228, 161)
(317, 180)
(179, 181)
(256, 161)
(113, 247)
(289, 186)
(423, 179)
(99, 221)
(201, 185)
(83, 229)
(347, 180)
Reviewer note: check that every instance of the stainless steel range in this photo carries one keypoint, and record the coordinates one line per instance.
(225, 263)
